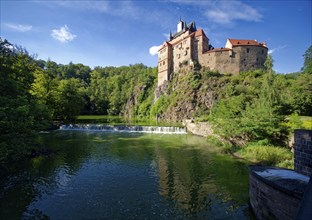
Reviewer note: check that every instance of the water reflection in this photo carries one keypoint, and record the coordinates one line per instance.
(126, 176)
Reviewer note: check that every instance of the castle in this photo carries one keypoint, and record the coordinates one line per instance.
(189, 46)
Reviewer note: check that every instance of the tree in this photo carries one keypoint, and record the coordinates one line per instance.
(269, 63)
(307, 65)
(69, 99)
(20, 112)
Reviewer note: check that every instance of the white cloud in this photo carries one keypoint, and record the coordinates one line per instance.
(276, 49)
(19, 27)
(225, 12)
(63, 34)
(154, 50)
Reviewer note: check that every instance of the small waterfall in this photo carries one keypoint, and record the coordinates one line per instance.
(124, 128)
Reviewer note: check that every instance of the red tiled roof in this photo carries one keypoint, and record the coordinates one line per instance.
(237, 42)
(199, 32)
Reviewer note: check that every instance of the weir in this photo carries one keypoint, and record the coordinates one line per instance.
(124, 128)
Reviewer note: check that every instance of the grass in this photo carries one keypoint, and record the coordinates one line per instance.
(306, 122)
(268, 155)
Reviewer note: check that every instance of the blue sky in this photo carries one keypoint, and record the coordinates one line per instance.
(116, 33)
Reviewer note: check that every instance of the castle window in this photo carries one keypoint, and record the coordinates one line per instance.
(178, 56)
(164, 62)
(247, 50)
(185, 53)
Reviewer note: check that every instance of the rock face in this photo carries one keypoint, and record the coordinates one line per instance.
(203, 129)
(189, 94)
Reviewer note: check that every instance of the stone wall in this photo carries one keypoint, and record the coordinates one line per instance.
(270, 203)
(250, 57)
(303, 152)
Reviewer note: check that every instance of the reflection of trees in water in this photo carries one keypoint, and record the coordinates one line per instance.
(42, 175)
(196, 181)
(188, 177)
(184, 178)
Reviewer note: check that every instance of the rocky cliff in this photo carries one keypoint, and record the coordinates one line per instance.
(190, 94)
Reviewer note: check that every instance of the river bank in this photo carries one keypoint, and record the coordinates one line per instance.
(256, 152)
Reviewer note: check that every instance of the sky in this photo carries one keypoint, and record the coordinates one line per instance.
(117, 33)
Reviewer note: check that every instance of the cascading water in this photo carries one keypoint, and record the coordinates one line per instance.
(124, 128)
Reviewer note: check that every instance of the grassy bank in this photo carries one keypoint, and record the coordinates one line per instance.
(258, 153)
(267, 155)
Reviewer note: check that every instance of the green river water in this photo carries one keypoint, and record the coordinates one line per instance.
(106, 175)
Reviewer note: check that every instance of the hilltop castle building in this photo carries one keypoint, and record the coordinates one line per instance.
(189, 45)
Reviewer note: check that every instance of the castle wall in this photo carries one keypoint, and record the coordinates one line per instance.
(238, 59)
(181, 53)
(250, 57)
(222, 60)
(164, 64)
(201, 44)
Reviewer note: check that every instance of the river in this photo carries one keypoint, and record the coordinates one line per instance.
(117, 175)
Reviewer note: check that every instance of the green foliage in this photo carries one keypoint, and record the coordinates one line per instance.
(307, 122)
(301, 94)
(268, 155)
(194, 80)
(20, 113)
(69, 99)
(307, 66)
(251, 107)
(269, 63)
(123, 90)
(295, 122)
(159, 106)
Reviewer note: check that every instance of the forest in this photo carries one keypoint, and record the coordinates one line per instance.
(36, 95)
